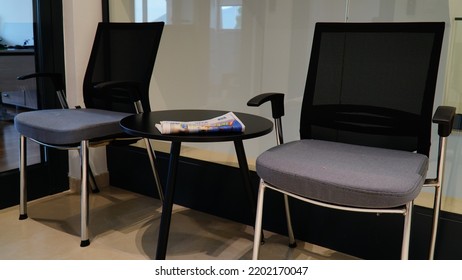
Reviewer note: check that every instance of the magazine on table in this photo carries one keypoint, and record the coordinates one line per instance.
(228, 122)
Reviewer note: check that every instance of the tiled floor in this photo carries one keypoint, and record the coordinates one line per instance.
(124, 225)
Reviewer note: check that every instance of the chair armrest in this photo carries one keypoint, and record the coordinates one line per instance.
(444, 117)
(131, 87)
(277, 102)
(56, 78)
(35, 75)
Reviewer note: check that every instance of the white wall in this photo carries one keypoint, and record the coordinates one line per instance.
(80, 21)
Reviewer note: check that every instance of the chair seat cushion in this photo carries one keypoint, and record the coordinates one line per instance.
(344, 174)
(67, 126)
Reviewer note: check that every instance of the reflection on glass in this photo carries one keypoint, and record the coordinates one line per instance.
(16, 59)
(202, 64)
(454, 93)
(229, 12)
(452, 196)
(230, 17)
(217, 54)
(147, 11)
(16, 54)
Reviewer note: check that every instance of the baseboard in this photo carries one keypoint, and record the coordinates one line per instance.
(217, 189)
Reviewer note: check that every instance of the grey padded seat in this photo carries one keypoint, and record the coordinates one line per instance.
(358, 176)
(65, 126)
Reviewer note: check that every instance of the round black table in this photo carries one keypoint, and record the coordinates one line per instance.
(143, 125)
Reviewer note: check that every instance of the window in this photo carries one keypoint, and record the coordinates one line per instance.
(230, 17)
(153, 10)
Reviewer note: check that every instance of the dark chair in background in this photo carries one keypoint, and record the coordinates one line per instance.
(116, 84)
(57, 81)
(365, 124)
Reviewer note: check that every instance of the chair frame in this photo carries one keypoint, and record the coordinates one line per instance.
(83, 149)
(131, 88)
(444, 117)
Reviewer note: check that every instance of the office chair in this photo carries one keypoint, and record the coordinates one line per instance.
(365, 124)
(116, 84)
(58, 84)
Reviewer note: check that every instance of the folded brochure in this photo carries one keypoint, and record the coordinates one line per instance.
(228, 122)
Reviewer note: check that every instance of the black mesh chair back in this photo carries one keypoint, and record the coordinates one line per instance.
(121, 52)
(349, 98)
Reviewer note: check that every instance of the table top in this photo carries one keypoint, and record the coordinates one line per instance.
(143, 125)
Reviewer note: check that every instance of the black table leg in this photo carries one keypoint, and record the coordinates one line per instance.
(168, 201)
(244, 168)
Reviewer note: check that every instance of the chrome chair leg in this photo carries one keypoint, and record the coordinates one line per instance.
(436, 215)
(22, 178)
(438, 194)
(84, 207)
(290, 231)
(258, 221)
(279, 141)
(152, 159)
(407, 231)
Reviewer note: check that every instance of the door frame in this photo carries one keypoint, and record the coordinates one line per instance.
(49, 176)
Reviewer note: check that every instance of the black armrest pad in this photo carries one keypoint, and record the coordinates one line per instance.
(277, 102)
(56, 78)
(34, 75)
(28, 76)
(444, 117)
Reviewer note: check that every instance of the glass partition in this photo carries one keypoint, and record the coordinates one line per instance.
(217, 54)
(454, 87)
(452, 199)
(17, 58)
